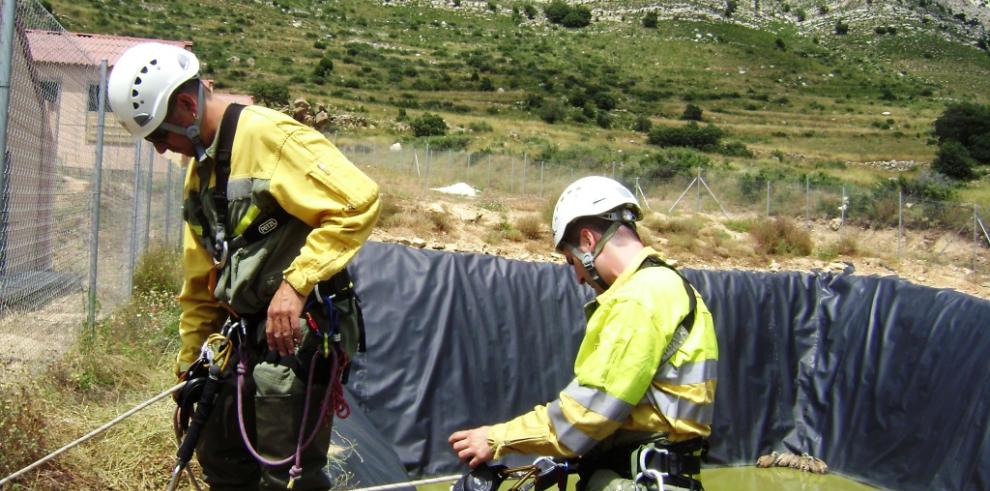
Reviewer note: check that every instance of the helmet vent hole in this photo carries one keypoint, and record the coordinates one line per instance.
(135, 105)
(144, 70)
(154, 62)
(137, 81)
(134, 93)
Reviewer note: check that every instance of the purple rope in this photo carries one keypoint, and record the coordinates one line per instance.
(300, 446)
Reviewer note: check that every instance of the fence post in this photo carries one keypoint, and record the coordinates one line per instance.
(512, 176)
(768, 198)
(147, 200)
(807, 200)
(525, 168)
(697, 206)
(976, 237)
(426, 176)
(6, 67)
(168, 201)
(541, 178)
(842, 208)
(900, 219)
(132, 254)
(97, 184)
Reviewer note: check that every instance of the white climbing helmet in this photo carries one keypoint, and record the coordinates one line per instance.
(142, 81)
(593, 196)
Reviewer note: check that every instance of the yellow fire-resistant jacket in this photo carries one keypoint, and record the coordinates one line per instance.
(620, 392)
(275, 162)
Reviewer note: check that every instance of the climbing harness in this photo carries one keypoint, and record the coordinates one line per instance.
(543, 473)
(216, 238)
(197, 397)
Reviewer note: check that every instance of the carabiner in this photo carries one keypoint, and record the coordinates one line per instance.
(652, 474)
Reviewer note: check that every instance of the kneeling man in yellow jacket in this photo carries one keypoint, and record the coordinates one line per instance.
(640, 404)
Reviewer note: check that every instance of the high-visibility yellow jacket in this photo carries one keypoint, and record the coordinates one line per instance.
(275, 162)
(620, 393)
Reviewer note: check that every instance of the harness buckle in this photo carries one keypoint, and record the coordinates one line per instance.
(648, 473)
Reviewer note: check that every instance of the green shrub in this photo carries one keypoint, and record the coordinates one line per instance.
(780, 236)
(429, 124)
(691, 135)
(691, 113)
(480, 127)
(953, 160)
(730, 8)
(841, 28)
(552, 111)
(650, 20)
(448, 142)
(271, 94)
(323, 68)
(642, 124)
(667, 163)
(530, 11)
(559, 12)
(967, 124)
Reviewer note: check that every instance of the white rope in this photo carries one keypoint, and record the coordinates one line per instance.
(93, 433)
(406, 484)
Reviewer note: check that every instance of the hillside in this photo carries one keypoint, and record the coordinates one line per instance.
(791, 93)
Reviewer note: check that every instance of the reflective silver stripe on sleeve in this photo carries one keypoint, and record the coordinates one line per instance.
(568, 434)
(598, 401)
(694, 372)
(674, 407)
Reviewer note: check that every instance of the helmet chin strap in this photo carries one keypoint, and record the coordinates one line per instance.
(588, 258)
(192, 132)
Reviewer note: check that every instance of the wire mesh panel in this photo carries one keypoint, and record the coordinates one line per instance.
(47, 239)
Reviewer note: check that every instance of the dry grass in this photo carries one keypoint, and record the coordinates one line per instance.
(780, 236)
(846, 245)
(530, 226)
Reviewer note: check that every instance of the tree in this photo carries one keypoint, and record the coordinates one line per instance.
(650, 20)
(692, 113)
(841, 28)
(270, 94)
(323, 68)
(730, 7)
(530, 11)
(963, 123)
(953, 160)
(429, 124)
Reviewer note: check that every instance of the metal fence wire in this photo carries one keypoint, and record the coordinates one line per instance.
(63, 258)
(80, 200)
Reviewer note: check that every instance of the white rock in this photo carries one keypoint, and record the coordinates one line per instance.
(396, 147)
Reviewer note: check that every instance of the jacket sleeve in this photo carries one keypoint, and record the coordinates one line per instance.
(613, 370)
(315, 183)
(201, 313)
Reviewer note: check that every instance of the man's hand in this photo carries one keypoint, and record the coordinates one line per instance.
(472, 446)
(282, 328)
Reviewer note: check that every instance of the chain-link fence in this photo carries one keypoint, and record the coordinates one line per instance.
(64, 260)
(889, 220)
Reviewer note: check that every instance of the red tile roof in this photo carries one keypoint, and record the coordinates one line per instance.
(84, 49)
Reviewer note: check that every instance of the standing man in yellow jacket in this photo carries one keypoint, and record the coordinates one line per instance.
(639, 408)
(273, 215)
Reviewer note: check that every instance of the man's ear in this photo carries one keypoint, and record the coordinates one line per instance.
(587, 237)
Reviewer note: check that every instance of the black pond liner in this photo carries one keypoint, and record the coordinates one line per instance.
(885, 380)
